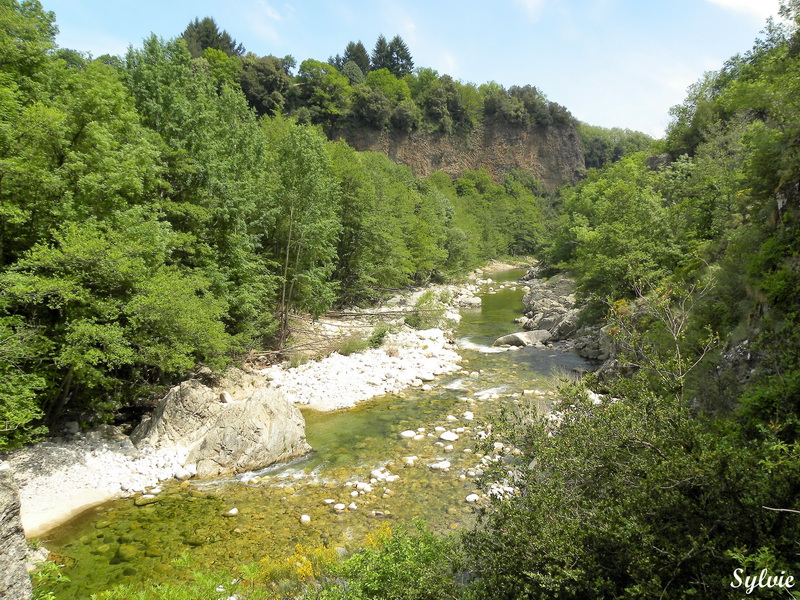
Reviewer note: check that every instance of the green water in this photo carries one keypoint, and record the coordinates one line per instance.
(122, 543)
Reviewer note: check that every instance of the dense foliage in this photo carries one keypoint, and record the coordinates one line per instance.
(688, 467)
(115, 227)
(151, 222)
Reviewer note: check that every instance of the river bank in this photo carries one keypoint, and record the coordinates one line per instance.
(63, 476)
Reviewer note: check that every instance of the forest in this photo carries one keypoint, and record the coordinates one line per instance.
(181, 180)
(151, 221)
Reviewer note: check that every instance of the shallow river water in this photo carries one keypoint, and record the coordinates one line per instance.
(190, 523)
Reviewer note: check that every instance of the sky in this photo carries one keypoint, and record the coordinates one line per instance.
(613, 63)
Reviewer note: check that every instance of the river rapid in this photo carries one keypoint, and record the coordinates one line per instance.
(361, 473)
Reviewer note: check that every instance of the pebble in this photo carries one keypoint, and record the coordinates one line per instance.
(408, 433)
(339, 507)
(449, 436)
(305, 519)
(352, 506)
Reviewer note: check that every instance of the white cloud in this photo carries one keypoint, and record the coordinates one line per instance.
(262, 21)
(759, 9)
(533, 8)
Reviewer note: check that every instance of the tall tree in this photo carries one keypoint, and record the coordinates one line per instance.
(202, 34)
(356, 52)
(381, 55)
(402, 64)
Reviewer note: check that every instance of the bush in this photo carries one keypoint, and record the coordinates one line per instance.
(400, 565)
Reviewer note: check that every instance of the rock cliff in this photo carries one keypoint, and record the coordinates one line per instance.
(553, 154)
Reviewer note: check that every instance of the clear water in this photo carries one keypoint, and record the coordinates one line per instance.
(122, 543)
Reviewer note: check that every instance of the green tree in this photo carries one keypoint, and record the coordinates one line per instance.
(265, 83)
(323, 91)
(381, 57)
(401, 61)
(353, 73)
(357, 53)
(303, 241)
(113, 309)
(202, 34)
(27, 34)
(396, 90)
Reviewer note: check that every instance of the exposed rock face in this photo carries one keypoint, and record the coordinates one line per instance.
(224, 435)
(14, 580)
(553, 154)
(550, 306)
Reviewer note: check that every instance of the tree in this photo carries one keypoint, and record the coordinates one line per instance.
(353, 73)
(27, 34)
(381, 57)
(202, 34)
(356, 52)
(303, 241)
(323, 91)
(265, 83)
(401, 62)
(396, 90)
(113, 309)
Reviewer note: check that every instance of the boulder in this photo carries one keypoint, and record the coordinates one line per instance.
(524, 338)
(14, 580)
(222, 436)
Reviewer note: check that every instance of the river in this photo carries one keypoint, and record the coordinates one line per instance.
(190, 526)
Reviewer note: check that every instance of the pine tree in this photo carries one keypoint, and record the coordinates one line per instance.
(401, 62)
(356, 52)
(381, 55)
(200, 35)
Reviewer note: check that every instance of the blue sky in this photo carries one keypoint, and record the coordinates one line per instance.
(614, 63)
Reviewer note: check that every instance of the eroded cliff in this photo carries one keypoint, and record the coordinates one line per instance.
(553, 154)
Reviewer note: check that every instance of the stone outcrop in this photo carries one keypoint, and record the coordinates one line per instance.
(553, 154)
(524, 338)
(222, 432)
(14, 580)
(550, 307)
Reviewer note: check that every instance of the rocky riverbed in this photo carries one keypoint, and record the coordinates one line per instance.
(65, 475)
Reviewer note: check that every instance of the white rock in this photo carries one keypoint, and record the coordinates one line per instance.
(441, 466)
(452, 418)
(426, 388)
(468, 416)
(354, 494)
(449, 436)
(339, 507)
(233, 512)
(329, 501)
(408, 433)
(472, 498)
(352, 506)
(410, 460)
(305, 519)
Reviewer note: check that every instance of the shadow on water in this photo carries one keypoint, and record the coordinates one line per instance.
(123, 543)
